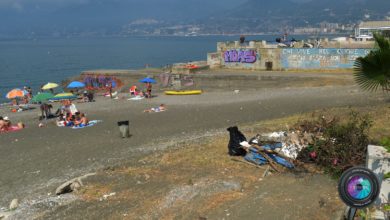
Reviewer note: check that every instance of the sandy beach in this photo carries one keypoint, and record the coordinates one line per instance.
(36, 160)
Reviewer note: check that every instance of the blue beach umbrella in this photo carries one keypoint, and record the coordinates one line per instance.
(75, 84)
(148, 80)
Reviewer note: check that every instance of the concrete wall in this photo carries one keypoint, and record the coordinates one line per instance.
(315, 58)
(261, 56)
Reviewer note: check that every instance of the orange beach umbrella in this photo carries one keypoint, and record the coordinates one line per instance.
(16, 93)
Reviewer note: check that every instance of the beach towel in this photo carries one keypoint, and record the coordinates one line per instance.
(90, 124)
(136, 98)
(155, 110)
(60, 123)
(12, 128)
(113, 94)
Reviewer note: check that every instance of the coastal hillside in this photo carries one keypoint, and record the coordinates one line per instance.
(105, 17)
(272, 16)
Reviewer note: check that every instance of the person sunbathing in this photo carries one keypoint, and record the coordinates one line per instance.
(81, 121)
(2, 124)
(69, 119)
(61, 120)
(84, 120)
(7, 123)
(161, 108)
(20, 125)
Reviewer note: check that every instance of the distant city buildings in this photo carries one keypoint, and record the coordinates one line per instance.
(325, 28)
(365, 30)
(361, 31)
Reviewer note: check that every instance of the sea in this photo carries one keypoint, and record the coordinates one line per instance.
(34, 62)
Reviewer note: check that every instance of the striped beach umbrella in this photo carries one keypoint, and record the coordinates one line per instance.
(16, 93)
(62, 96)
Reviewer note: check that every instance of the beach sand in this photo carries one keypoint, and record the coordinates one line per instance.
(34, 161)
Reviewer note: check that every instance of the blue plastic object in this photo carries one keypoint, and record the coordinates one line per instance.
(76, 84)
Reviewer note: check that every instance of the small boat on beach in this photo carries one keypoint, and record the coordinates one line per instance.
(183, 92)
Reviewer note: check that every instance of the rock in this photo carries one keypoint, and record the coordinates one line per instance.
(109, 195)
(4, 215)
(14, 204)
(75, 186)
(72, 185)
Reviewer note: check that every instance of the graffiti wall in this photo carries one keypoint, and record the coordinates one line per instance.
(214, 59)
(240, 58)
(101, 82)
(318, 58)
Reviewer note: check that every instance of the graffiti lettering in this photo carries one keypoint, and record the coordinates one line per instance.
(321, 58)
(240, 56)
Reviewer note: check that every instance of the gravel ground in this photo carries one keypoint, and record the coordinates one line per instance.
(36, 160)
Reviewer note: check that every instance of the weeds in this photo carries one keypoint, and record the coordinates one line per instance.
(338, 144)
(385, 142)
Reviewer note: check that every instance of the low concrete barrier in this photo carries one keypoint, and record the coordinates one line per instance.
(378, 160)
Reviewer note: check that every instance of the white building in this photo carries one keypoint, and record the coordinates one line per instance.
(365, 30)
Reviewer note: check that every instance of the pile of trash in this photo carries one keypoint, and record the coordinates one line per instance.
(275, 149)
(329, 142)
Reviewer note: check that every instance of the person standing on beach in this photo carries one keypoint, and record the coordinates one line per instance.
(110, 88)
(149, 90)
(30, 92)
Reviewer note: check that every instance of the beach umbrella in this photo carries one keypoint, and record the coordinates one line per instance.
(148, 80)
(16, 93)
(41, 97)
(62, 96)
(75, 84)
(50, 86)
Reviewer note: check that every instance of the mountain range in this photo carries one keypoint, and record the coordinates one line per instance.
(222, 15)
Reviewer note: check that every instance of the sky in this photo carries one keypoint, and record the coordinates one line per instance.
(27, 5)
(35, 15)
(22, 5)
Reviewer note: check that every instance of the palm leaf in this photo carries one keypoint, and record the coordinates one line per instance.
(373, 71)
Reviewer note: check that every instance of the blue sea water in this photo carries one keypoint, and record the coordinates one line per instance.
(34, 62)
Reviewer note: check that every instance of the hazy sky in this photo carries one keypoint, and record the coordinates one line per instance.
(30, 15)
(26, 5)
